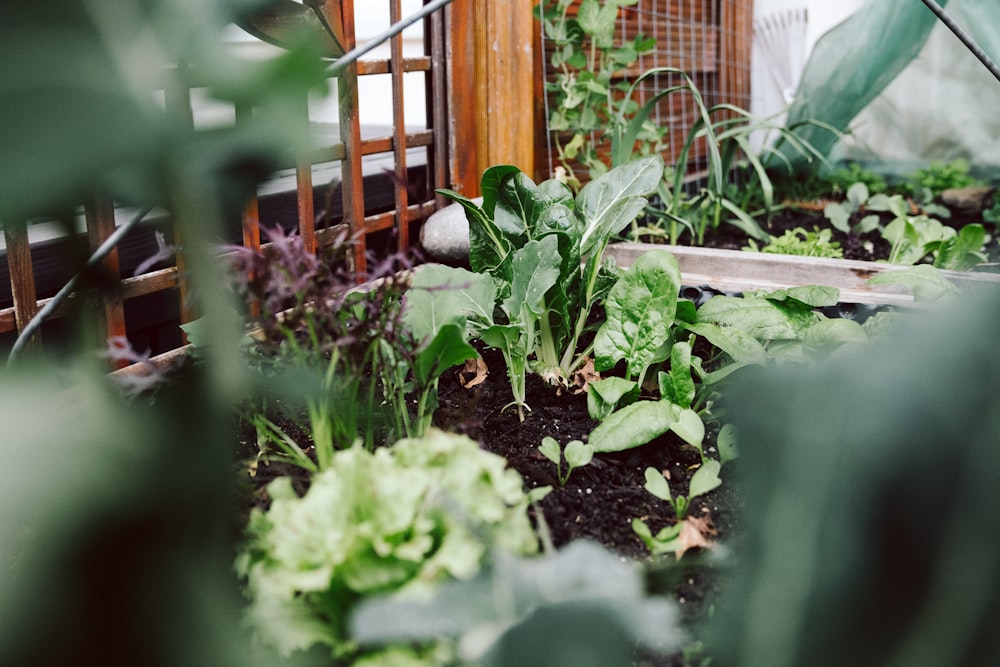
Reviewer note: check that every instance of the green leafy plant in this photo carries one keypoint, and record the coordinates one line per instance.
(639, 315)
(342, 362)
(926, 183)
(725, 130)
(530, 241)
(577, 454)
(704, 479)
(913, 237)
(858, 197)
(843, 178)
(800, 242)
(586, 92)
(422, 511)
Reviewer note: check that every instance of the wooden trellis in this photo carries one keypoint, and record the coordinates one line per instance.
(407, 204)
(482, 67)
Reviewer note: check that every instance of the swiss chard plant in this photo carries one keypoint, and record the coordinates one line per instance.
(543, 252)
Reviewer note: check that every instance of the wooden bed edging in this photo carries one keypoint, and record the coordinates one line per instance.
(740, 271)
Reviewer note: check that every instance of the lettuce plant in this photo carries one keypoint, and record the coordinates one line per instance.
(531, 240)
(402, 517)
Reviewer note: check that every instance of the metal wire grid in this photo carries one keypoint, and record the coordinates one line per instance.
(708, 39)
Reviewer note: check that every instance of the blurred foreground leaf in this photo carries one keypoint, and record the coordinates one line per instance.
(872, 514)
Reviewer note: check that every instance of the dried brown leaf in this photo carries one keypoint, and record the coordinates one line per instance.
(473, 373)
(582, 378)
(695, 531)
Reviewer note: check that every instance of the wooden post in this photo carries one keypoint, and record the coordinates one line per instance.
(736, 27)
(399, 187)
(492, 56)
(22, 276)
(100, 225)
(351, 177)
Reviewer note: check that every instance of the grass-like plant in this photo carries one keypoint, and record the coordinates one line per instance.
(725, 130)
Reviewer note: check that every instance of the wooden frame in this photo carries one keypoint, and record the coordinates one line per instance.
(407, 207)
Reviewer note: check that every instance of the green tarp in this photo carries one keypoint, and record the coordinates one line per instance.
(855, 62)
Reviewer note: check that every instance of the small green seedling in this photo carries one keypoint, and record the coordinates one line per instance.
(577, 455)
(671, 539)
(705, 478)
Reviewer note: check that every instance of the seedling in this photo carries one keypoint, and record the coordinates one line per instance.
(704, 479)
(576, 453)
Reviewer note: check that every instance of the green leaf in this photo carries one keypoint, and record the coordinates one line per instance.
(677, 386)
(578, 454)
(725, 441)
(857, 195)
(926, 282)
(839, 216)
(550, 450)
(705, 478)
(609, 203)
(867, 224)
(489, 249)
(639, 313)
(440, 295)
(813, 296)
(519, 206)
(657, 484)
(761, 318)
(535, 269)
(447, 348)
(604, 395)
(830, 334)
(664, 542)
(632, 426)
(492, 183)
(963, 251)
(687, 425)
(738, 344)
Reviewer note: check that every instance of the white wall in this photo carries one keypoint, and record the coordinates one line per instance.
(780, 51)
(375, 92)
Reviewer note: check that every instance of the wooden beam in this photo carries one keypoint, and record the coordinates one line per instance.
(22, 275)
(736, 27)
(101, 224)
(507, 53)
(491, 85)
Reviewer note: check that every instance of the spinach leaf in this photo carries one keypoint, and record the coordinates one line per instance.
(640, 313)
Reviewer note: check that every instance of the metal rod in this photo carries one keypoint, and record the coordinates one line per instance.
(338, 66)
(102, 251)
(964, 37)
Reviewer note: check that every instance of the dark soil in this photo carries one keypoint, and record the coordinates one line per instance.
(867, 247)
(601, 499)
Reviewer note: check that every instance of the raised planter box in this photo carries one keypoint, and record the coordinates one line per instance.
(739, 271)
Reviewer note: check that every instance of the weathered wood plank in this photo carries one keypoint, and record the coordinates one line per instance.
(100, 225)
(399, 186)
(22, 276)
(463, 95)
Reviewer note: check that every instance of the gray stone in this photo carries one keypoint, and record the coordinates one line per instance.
(971, 201)
(445, 234)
